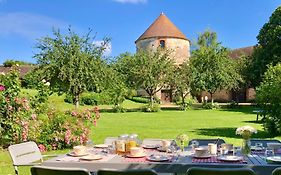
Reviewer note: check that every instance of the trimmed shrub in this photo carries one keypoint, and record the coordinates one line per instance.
(140, 99)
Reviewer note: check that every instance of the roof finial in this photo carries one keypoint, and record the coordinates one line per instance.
(162, 13)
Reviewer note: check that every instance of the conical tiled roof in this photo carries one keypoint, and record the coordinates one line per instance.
(162, 27)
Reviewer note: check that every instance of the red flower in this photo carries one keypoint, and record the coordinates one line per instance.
(42, 148)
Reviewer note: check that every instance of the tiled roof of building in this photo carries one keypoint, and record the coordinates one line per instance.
(246, 51)
(23, 69)
(162, 27)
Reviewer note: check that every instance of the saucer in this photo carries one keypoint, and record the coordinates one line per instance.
(136, 156)
(91, 157)
(157, 158)
(150, 146)
(161, 149)
(77, 155)
(230, 158)
(205, 156)
(274, 159)
(101, 146)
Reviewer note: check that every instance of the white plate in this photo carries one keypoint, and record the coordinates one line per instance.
(274, 158)
(101, 146)
(230, 158)
(136, 156)
(157, 158)
(202, 156)
(255, 148)
(77, 155)
(91, 157)
(150, 146)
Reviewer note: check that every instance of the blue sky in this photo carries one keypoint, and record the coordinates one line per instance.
(22, 22)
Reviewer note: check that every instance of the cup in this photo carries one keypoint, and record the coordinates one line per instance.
(212, 148)
(166, 144)
(201, 151)
(136, 151)
(227, 146)
(79, 150)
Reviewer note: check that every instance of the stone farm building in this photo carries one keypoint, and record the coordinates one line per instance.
(163, 33)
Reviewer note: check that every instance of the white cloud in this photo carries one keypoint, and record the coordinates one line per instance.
(27, 25)
(108, 47)
(131, 1)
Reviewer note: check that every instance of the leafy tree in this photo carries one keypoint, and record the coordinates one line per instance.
(147, 70)
(181, 81)
(268, 50)
(72, 63)
(211, 68)
(269, 97)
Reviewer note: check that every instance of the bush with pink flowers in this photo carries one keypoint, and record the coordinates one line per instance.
(23, 119)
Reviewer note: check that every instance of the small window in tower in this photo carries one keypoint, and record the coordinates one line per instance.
(162, 43)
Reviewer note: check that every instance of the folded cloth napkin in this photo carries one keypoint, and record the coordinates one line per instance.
(213, 159)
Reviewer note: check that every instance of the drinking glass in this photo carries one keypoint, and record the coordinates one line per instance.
(89, 145)
(269, 152)
(194, 144)
(258, 146)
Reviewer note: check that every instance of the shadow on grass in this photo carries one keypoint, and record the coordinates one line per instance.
(243, 109)
(227, 132)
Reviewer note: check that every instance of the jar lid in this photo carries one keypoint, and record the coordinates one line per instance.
(124, 136)
(133, 136)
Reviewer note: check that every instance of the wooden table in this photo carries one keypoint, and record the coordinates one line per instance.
(180, 165)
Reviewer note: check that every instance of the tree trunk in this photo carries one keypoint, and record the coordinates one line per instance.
(77, 101)
(151, 100)
(212, 100)
(183, 99)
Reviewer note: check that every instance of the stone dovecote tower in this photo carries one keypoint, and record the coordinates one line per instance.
(163, 33)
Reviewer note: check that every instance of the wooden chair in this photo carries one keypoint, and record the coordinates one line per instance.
(44, 170)
(205, 142)
(126, 172)
(276, 171)
(219, 171)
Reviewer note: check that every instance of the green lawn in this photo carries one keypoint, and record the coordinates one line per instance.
(195, 123)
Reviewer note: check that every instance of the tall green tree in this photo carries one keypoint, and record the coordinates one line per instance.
(181, 81)
(269, 98)
(211, 68)
(71, 63)
(268, 50)
(147, 70)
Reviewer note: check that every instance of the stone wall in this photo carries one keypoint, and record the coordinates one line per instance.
(180, 47)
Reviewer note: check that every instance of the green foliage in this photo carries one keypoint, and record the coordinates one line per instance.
(268, 50)
(152, 107)
(14, 111)
(11, 62)
(32, 78)
(210, 106)
(181, 81)
(149, 70)
(269, 98)
(72, 64)
(140, 99)
(211, 68)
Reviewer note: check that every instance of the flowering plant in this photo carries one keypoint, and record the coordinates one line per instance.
(246, 131)
(182, 138)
